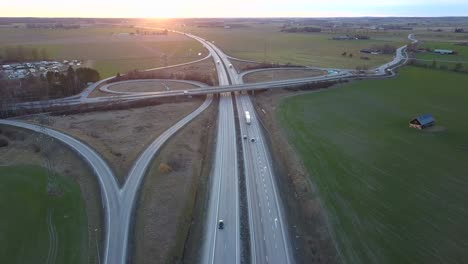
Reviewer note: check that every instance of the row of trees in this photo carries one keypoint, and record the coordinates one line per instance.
(457, 67)
(20, 54)
(71, 82)
(52, 85)
(385, 48)
(301, 29)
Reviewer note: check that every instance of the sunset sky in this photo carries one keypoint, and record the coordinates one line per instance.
(237, 8)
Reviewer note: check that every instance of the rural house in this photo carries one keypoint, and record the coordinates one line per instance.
(422, 122)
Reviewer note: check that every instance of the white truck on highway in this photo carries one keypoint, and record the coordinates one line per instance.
(247, 117)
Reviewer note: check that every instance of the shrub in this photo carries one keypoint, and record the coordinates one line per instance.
(3, 142)
(164, 168)
(36, 148)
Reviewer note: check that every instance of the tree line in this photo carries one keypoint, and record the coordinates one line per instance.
(301, 29)
(52, 85)
(21, 54)
(71, 82)
(456, 67)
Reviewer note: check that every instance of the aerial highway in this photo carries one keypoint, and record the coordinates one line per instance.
(83, 98)
(269, 242)
(223, 245)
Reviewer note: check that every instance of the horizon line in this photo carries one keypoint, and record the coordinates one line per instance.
(240, 17)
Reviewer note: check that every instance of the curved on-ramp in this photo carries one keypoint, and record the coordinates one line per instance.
(108, 184)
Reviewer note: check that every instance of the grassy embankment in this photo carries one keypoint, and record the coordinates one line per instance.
(36, 227)
(267, 43)
(107, 53)
(393, 194)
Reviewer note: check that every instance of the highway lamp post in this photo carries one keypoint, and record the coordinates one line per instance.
(97, 246)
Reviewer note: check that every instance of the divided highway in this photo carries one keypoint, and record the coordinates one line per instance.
(223, 245)
(269, 242)
(268, 235)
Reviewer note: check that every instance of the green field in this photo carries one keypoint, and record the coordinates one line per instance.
(447, 60)
(34, 224)
(107, 53)
(267, 43)
(393, 194)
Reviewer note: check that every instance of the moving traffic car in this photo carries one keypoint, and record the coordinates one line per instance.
(221, 224)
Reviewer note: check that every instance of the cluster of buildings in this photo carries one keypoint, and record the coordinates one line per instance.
(349, 37)
(25, 69)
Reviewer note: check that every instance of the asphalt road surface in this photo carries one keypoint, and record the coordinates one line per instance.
(269, 242)
(223, 245)
(268, 232)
